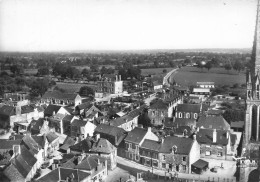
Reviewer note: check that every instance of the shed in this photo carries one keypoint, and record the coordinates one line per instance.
(199, 166)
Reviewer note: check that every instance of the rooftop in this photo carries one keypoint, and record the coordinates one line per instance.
(194, 108)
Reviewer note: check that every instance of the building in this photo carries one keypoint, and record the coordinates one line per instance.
(237, 125)
(135, 139)
(206, 84)
(51, 110)
(213, 122)
(109, 84)
(177, 154)
(81, 128)
(59, 98)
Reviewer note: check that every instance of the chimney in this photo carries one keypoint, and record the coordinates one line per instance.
(119, 77)
(97, 137)
(162, 140)
(227, 134)
(116, 78)
(149, 129)
(16, 150)
(214, 136)
(98, 161)
(194, 137)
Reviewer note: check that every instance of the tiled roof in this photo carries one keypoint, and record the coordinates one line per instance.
(67, 143)
(59, 95)
(136, 112)
(6, 110)
(68, 118)
(205, 136)
(27, 109)
(86, 105)
(151, 145)
(31, 144)
(84, 145)
(194, 108)
(136, 135)
(213, 122)
(184, 122)
(36, 125)
(52, 108)
(40, 140)
(159, 105)
(8, 144)
(214, 112)
(51, 136)
(110, 130)
(103, 146)
(180, 130)
(78, 123)
(89, 162)
(58, 116)
(61, 174)
(183, 145)
(168, 123)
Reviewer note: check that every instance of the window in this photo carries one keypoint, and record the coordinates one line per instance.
(219, 154)
(163, 165)
(187, 115)
(155, 163)
(184, 158)
(137, 158)
(180, 115)
(148, 162)
(130, 146)
(127, 146)
(163, 157)
(156, 156)
(195, 115)
(137, 148)
(208, 153)
(148, 154)
(184, 167)
(133, 146)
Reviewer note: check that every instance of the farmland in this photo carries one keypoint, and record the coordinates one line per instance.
(73, 87)
(190, 75)
(154, 71)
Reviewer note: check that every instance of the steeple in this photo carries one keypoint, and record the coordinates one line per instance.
(256, 45)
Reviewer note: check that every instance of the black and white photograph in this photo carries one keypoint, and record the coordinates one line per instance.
(129, 90)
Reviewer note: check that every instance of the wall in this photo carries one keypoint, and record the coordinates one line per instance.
(194, 154)
(214, 149)
(118, 87)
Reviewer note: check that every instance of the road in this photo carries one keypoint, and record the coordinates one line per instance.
(167, 76)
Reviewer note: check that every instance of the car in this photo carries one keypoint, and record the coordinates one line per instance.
(214, 170)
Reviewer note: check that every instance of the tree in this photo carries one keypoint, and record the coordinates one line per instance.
(39, 87)
(208, 65)
(86, 91)
(43, 71)
(85, 72)
(16, 69)
(228, 67)
(238, 66)
(72, 72)
(164, 70)
(156, 64)
(144, 118)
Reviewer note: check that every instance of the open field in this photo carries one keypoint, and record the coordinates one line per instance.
(190, 75)
(73, 87)
(154, 71)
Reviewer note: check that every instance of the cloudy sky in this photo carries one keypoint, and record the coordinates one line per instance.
(62, 25)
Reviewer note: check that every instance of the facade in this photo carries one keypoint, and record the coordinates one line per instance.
(206, 84)
(135, 139)
(111, 84)
(189, 111)
(59, 98)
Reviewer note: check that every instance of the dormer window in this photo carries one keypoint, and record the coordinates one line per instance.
(180, 115)
(195, 115)
(187, 115)
(174, 149)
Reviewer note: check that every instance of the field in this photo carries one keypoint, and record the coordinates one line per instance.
(190, 75)
(73, 87)
(154, 71)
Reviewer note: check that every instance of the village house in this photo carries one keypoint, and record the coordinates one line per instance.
(81, 146)
(109, 84)
(217, 144)
(81, 128)
(59, 98)
(104, 148)
(5, 114)
(51, 110)
(66, 174)
(53, 142)
(134, 140)
(65, 148)
(6, 149)
(177, 154)
(206, 84)
(86, 109)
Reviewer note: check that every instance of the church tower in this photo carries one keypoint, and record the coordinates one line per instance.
(252, 125)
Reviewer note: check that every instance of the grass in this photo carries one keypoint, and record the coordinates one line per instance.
(191, 75)
(73, 87)
(154, 71)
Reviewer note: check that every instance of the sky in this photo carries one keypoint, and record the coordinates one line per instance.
(73, 25)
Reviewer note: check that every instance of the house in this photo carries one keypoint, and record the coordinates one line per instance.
(201, 92)
(149, 153)
(129, 121)
(113, 134)
(190, 111)
(81, 128)
(53, 142)
(66, 174)
(59, 98)
(5, 113)
(51, 110)
(67, 120)
(134, 140)
(42, 144)
(217, 144)
(185, 122)
(177, 154)
(65, 148)
(213, 122)
(82, 146)
(22, 166)
(109, 84)
(6, 149)
(87, 108)
(56, 122)
(104, 148)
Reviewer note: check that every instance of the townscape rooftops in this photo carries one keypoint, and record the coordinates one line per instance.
(89, 162)
(59, 95)
(40, 140)
(183, 145)
(103, 146)
(61, 174)
(79, 123)
(7, 110)
(151, 145)
(68, 118)
(32, 145)
(8, 144)
(159, 105)
(194, 108)
(52, 108)
(84, 145)
(86, 105)
(213, 122)
(51, 136)
(205, 136)
(214, 112)
(136, 135)
(27, 109)
(237, 124)
(184, 122)
(110, 130)
(37, 124)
